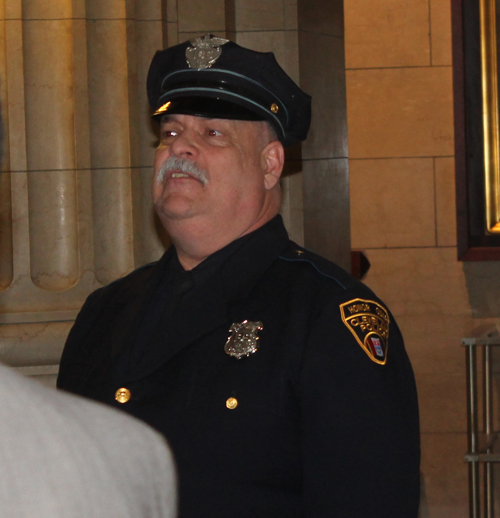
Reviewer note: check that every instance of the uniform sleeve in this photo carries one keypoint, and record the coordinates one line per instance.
(360, 428)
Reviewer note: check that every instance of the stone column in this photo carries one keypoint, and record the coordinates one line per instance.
(6, 252)
(200, 16)
(151, 34)
(326, 171)
(110, 139)
(6, 258)
(48, 71)
(271, 25)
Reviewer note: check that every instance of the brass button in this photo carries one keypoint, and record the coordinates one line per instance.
(232, 403)
(275, 108)
(299, 252)
(122, 395)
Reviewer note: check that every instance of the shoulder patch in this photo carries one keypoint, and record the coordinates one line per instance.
(368, 321)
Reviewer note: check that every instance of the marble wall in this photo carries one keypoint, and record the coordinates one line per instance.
(401, 149)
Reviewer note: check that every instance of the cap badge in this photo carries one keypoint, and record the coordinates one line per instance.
(243, 340)
(368, 321)
(205, 51)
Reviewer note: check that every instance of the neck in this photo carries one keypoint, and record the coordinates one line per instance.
(194, 243)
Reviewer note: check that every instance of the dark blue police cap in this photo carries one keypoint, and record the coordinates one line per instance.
(216, 78)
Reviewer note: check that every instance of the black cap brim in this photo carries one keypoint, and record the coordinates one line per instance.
(211, 108)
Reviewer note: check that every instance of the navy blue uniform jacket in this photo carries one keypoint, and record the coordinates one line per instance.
(322, 427)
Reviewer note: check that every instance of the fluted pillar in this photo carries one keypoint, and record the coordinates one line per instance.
(6, 252)
(6, 259)
(50, 135)
(110, 139)
(151, 28)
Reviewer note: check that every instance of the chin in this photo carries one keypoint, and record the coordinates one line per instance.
(174, 215)
(175, 208)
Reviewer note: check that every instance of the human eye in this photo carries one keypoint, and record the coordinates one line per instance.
(212, 132)
(169, 132)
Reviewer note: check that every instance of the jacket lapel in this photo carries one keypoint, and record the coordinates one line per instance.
(136, 303)
(204, 311)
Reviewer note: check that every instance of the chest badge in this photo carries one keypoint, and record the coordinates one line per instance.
(205, 51)
(243, 340)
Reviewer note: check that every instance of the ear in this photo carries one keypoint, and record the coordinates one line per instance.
(273, 160)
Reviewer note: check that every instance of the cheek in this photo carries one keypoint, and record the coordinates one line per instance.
(242, 169)
(161, 154)
(233, 182)
(244, 189)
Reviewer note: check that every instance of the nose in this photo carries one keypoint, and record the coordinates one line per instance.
(184, 145)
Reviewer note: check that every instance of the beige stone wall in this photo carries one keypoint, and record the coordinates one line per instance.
(401, 148)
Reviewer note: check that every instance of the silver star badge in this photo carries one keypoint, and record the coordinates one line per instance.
(205, 51)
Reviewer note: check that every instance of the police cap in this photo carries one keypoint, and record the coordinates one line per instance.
(216, 78)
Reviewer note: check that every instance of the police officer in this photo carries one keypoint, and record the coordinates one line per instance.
(281, 383)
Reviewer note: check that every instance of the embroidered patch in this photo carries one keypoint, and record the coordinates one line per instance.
(368, 321)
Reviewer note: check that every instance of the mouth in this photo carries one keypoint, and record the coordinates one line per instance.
(178, 169)
(176, 175)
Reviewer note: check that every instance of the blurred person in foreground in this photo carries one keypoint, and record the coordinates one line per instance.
(65, 457)
(281, 382)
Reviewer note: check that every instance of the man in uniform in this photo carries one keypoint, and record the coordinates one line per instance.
(281, 383)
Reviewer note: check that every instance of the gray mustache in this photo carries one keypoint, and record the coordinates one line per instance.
(182, 165)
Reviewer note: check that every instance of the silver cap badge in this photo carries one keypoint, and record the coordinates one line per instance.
(204, 52)
(243, 340)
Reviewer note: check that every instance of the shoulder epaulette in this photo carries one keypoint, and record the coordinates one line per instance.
(323, 266)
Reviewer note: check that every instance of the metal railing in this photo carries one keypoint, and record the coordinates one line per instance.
(481, 444)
